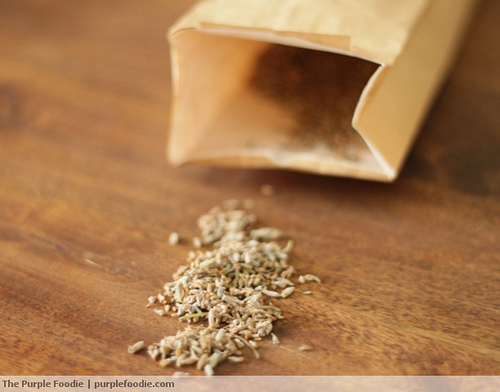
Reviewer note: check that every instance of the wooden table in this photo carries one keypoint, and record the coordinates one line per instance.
(410, 270)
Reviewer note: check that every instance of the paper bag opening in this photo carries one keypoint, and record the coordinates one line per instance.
(262, 104)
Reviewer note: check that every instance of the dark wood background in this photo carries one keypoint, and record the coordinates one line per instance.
(87, 201)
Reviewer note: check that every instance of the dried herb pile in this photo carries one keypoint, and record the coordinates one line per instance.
(227, 291)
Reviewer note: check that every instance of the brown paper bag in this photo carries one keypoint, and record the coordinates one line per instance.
(333, 87)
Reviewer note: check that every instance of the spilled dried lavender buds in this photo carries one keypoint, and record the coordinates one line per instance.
(227, 287)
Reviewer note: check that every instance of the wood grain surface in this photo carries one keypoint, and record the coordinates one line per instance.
(410, 270)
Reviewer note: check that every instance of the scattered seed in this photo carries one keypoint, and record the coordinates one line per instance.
(304, 347)
(301, 279)
(196, 242)
(212, 321)
(311, 278)
(270, 293)
(275, 339)
(188, 361)
(192, 316)
(235, 359)
(165, 362)
(254, 343)
(213, 361)
(288, 291)
(202, 361)
(181, 374)
(221, 334)
(308, 292)
(251, 346)
(153, 352)
(289, 246)
(240, 344)
(135, 347)
(151, 300)
(173, 238)
(266, 233)
(209, 371)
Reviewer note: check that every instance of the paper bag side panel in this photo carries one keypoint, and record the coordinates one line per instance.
(378, 27)
(206, 72)
(391, 113)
